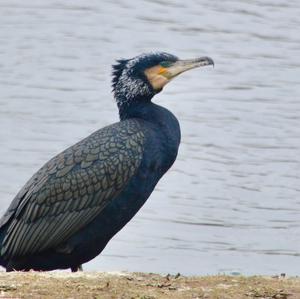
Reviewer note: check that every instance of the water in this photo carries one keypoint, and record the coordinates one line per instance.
(231, 201)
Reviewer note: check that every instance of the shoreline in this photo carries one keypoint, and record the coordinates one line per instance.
(123, 285)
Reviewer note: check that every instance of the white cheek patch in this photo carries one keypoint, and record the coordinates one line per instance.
(155, 77)
(158, 82)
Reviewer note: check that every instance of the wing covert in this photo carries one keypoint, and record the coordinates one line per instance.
(71, 189)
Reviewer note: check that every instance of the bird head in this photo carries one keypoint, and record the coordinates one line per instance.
(140, 78)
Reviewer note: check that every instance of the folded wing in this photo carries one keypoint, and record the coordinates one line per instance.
(70, 190)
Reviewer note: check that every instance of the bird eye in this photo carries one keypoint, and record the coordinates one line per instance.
(165, 63)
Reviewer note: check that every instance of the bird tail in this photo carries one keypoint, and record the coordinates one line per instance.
(2, 235)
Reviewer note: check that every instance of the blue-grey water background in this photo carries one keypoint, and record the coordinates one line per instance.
(231, 201)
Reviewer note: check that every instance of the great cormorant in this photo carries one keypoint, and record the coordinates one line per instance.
(68, 211)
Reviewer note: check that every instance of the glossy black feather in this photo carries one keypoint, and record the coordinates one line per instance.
(41, 219)
(69, 210)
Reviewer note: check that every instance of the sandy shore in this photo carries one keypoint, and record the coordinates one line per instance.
(144, 286)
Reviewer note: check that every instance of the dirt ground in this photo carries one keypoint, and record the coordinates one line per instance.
(144, 286)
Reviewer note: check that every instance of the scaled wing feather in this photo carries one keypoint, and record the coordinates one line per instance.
(70, 190)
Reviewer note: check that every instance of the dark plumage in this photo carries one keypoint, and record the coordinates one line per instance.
(68, 211)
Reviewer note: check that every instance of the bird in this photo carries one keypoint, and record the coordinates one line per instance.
(69, 210)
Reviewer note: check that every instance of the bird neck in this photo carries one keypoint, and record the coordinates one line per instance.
(164, 127)
(136, 108)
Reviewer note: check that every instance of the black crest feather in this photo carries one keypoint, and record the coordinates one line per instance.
(117, 70)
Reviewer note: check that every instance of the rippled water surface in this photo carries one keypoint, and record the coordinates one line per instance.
(231, 201)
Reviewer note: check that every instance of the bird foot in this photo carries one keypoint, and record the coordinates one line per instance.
(76, 268)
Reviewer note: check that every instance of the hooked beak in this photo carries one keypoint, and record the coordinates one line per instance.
(159, 76)
(181, 66)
